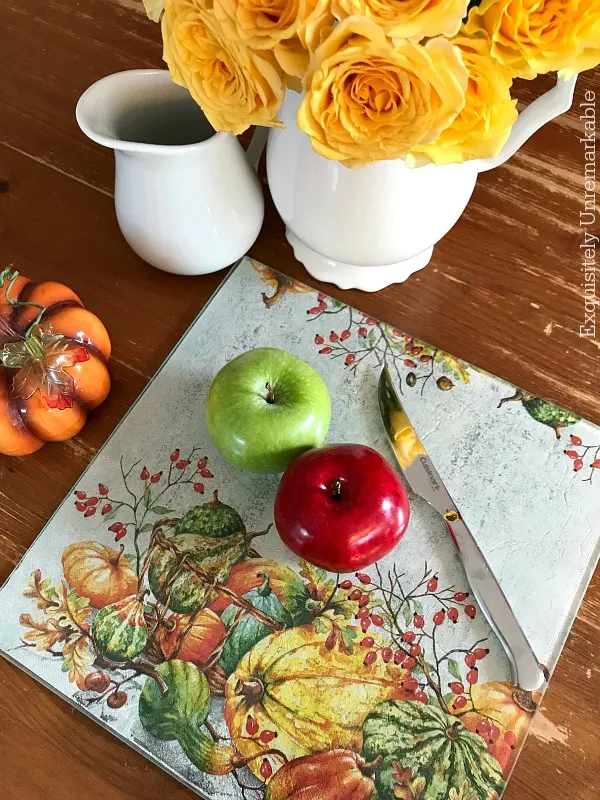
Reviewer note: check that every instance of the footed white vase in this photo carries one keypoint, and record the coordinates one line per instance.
(370, 227)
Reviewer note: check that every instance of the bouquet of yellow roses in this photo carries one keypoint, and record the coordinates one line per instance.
(422, 80)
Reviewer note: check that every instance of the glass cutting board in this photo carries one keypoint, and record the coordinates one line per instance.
(280, 678)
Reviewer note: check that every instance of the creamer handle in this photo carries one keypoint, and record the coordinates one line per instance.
(256, 146)
(543, 109)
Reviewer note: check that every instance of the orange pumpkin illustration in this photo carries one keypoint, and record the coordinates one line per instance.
(98, 572)
(53, 355)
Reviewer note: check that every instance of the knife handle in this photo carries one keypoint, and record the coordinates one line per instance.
(528, 674)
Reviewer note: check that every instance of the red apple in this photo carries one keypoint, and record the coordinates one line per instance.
(341, 507)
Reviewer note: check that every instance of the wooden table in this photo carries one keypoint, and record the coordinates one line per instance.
(503, 291)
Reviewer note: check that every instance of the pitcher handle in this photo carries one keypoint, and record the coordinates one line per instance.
(543, 109)
(256, 146)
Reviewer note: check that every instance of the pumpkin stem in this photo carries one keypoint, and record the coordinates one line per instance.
(215, 501)
(252, 690)
(452, 731)
(368, 768)
(6, 274)
(142, 595)
(250, 536)
(264, 589)
(518, 395)
(114, 559)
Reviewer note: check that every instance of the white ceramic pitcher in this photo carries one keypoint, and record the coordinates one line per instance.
(370, 227)
(187, 199)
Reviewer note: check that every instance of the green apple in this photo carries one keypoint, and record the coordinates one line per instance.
(265, 408)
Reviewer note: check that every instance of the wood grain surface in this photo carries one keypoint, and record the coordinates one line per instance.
(503, 291)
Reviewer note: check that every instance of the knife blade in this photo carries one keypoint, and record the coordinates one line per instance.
(425, 481)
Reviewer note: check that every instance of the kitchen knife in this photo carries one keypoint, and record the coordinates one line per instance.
(425, 481)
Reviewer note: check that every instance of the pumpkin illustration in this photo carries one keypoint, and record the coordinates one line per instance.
(501, 714)
(53, 355)
(245, 631)
(187, 696)
(347, 778)
(98, 572)
(286, 584)
(213, 519)
(174, 580)
(313, 698)
(120, 631)
(434, 746)
(191, 638)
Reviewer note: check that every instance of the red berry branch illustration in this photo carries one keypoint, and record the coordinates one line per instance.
(146, 493)
(357, 338)
(584, 457)
(384, 604)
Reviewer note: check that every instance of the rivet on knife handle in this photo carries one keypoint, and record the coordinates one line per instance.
(424, 479)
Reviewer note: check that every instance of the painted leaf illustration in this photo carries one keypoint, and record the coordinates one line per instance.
(44, 634)
(460, 368)
(41, 364)
(71, 610)
(319, 585)
(79, 660)
(454, 670)
(348, 637)
(42, 591)
(281, 283)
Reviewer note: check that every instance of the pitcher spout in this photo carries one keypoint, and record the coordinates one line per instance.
(142, 111)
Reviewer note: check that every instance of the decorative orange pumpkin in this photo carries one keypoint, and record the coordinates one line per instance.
(98, 572)
(501, 714)
(197, 643)
(53, 355)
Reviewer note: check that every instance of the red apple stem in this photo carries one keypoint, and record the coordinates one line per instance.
(336, 489)
(270, 398)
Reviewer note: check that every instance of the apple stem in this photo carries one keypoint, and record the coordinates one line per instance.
(336, 488)
(270, 398)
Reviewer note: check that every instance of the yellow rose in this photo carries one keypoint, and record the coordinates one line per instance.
(287, 27)
(482, 127)
(408, 19)
(235, 86)
(369, 100)
(153, 9)
(538, 36)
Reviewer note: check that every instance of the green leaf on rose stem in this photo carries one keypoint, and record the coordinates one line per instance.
(418, 669)
(417, 607)
(387, 619)
(147, 497)
(320, 625)
(131, 557)
(146, 528)
(162, 510)
(348, 637)
(407, 615)
(371, 337)
(335, 303)
(454, 669)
